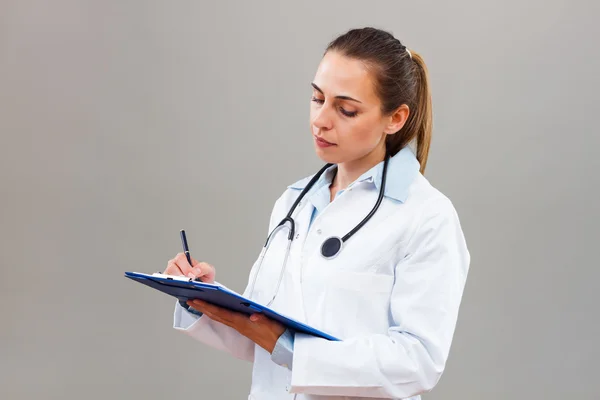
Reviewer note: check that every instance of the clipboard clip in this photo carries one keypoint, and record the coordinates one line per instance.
(172, 277)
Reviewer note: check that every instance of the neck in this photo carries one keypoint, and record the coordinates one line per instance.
(349, 171)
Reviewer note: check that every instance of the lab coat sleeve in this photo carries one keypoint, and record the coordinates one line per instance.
(216, 334)
(283, 352)
(213, 333)
(424, 303)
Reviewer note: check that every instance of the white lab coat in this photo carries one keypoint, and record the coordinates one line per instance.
(392, 295)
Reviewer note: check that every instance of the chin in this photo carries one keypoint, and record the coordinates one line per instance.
(328, 156)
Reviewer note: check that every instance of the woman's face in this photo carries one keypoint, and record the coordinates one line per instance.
(346, 112)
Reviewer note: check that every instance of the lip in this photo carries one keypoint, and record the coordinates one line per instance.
(323, 142)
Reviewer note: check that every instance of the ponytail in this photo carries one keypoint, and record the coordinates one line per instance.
(419, 124)
(423, 115)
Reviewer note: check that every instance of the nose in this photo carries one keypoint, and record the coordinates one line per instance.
(322, 118)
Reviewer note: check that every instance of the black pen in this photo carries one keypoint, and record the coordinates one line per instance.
(186, 250)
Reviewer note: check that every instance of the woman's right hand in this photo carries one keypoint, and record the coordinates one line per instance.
(179, 266)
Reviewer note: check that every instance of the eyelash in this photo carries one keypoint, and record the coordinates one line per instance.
(346, 113)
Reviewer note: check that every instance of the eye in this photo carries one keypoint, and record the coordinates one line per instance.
(348, 113)
(318, 101)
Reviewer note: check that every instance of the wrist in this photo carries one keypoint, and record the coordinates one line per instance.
(272, 343)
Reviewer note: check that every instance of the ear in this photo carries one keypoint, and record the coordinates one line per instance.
(397, 119)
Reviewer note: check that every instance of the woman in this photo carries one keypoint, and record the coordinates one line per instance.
(392, 291)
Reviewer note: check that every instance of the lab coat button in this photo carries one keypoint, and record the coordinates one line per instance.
(318, 231)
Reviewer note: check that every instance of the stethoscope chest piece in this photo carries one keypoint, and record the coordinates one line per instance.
(331, 247)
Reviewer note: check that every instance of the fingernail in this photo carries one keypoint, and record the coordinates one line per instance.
(254, 318)
(190, 275)
(197, 270)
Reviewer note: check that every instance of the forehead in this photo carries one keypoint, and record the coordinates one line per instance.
(341, 75)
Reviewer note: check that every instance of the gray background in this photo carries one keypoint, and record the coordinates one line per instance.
(123, 122)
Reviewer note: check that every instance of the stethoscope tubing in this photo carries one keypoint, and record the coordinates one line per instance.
(332, 246)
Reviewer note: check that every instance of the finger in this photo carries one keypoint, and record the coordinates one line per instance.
(262, 322)
(189, 271)
(260, 318)
(183, 264)
(172, 268)
(203, 310)
(231, 317)
(215, 316)
(204, 271)
(202, 306)
(205, 307)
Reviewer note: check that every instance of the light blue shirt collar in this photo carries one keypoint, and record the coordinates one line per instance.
(403, 167)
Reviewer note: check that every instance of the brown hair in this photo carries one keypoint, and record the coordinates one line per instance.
(400, 78)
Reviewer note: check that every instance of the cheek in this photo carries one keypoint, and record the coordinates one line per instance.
(360, 132)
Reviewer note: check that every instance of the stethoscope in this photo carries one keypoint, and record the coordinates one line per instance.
(332, 246)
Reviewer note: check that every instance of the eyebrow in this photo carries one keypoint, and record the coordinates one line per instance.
(337, 97)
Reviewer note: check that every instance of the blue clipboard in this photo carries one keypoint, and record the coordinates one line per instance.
(187, 289)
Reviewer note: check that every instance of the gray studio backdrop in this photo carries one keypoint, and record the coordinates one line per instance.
(123, 122)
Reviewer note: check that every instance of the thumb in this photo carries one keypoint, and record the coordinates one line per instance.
(257, 317)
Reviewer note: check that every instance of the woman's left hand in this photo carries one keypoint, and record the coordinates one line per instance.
(259, 328)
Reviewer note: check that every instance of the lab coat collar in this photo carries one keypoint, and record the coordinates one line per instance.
(403, 167)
